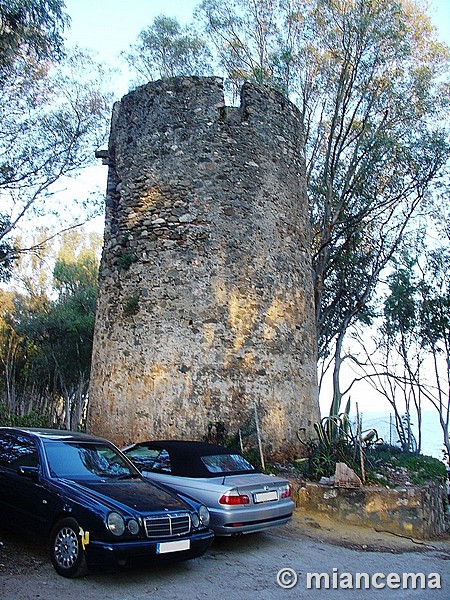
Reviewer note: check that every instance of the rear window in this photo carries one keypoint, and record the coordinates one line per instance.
(226, 463)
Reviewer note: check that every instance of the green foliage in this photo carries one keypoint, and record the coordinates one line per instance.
(420, 469)
(378, 146)
(384, 464)
(126, 260)
(4, 417)
(30, 419)
(400, 308)
(167, 49)
(417, 323)
(54, 115)
(434, 302)
(47, 339)
(334, 443)
(248, 41)
(30, 31)
(131, 307)
(31, 28)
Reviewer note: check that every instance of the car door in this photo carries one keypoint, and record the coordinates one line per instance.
(24, 498)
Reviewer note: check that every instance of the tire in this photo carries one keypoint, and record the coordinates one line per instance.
(66, 551)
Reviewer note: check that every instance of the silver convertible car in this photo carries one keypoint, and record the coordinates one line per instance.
(239, 497)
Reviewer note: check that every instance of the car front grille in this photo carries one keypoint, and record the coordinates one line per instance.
(167, 525)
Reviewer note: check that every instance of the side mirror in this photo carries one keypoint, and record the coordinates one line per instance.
(30, 472)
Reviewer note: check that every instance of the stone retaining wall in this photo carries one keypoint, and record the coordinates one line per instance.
(418, 512)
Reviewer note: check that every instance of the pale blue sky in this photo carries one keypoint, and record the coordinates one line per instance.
(110, 26)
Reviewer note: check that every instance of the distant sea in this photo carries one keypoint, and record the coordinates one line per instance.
(432, 435)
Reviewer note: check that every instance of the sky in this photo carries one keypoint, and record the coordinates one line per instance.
(111, 26)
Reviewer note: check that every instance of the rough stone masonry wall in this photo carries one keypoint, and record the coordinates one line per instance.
(205, 290)
(412, 511)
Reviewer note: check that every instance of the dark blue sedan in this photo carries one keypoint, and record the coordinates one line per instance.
(84, 497)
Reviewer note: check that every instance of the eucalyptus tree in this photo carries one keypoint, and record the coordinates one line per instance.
(407, 359)
(55, 109)
(434, 319)
(54, 117)
(168, 49)
(47, 331)
(29, 31)
(30, 28)
(247, 40)
(68, 325)
(371, 80)
(401, 347)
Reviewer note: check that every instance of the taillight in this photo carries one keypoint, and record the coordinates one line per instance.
(285, 492)
(234, 498)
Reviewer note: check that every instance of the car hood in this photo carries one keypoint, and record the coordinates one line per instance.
(141, 496)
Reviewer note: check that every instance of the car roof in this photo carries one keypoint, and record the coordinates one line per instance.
(193, 448)
(185, 456)
(53, 434)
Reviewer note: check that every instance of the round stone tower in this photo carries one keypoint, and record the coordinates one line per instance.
(205, 306)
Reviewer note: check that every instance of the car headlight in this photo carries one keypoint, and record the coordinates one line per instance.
(133, 526)
(115, 523)
(203, 513)
(195, 520)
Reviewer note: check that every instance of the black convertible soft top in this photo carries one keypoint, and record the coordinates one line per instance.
(186, 457)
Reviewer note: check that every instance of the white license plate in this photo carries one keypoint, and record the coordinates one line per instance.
(178, 546)
(266, 496)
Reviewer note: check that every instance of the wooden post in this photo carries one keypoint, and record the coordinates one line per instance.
(258, 434)
(361, 453)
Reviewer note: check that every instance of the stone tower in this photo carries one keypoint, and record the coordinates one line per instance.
(205, 301)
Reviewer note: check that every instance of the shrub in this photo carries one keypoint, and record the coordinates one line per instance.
(131, 307)
(31, 419)
(126, 260)
(385, 461)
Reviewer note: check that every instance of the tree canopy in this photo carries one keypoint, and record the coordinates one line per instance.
(31, 30)
(168, 49)
(47, 332)
(55, 110)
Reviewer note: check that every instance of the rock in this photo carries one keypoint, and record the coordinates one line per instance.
(346, 477)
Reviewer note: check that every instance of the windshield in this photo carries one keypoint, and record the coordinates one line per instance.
(87, 460)
(226, 463)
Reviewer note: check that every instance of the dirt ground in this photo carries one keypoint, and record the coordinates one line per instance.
(320, 528)
(22, 556)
